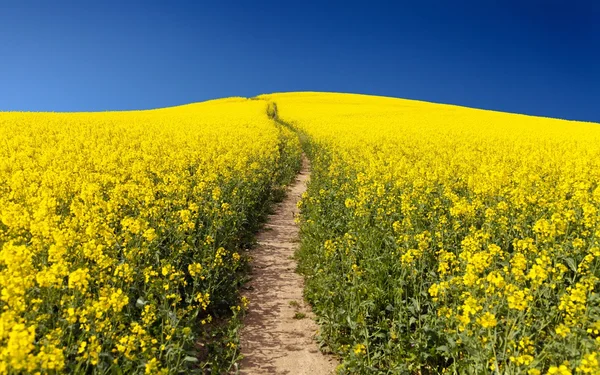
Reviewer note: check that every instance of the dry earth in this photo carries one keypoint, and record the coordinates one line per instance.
(279, 329)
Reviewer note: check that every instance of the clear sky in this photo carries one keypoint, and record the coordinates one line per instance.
(538, 57)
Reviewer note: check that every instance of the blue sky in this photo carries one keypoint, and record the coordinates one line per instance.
(538, 57)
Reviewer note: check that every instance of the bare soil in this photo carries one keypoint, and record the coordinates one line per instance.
(279, 329)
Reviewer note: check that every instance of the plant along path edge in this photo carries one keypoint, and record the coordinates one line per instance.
(279, 329)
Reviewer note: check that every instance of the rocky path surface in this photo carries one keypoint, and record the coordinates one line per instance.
(278, 334)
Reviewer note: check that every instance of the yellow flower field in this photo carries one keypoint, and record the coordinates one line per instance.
(436, 239)
(119, 234)
(442, 239)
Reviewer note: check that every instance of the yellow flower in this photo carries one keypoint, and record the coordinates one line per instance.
(487, 320)
(518, 299)
(559, 370)
(562, 330)
(360, 349)
(82, 347)
(152, 366)
(195, 269)
(589, 364)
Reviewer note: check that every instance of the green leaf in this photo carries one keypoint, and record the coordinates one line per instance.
(443, 349)
(571, 264)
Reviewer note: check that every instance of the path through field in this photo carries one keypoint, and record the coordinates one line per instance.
(278, 334)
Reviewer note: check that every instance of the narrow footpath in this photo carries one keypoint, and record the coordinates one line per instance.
(279, 329)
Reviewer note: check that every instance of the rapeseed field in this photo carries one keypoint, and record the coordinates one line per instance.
(120, 234)
(450, 240)
(436, 239)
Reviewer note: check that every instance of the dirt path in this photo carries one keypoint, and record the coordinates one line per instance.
(278, 334)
